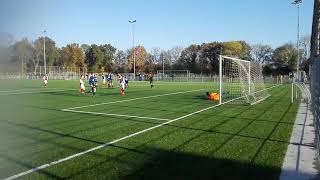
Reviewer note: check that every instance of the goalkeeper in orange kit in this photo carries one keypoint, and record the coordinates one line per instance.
(213, 96)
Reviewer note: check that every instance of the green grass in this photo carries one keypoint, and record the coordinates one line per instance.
(232, 141)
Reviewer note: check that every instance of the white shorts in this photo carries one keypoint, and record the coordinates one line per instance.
(45, 81)
(122, 85)
(82, 87)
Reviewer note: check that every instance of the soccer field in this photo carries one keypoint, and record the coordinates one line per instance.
(168, 132)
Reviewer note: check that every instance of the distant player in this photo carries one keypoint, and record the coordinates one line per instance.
(94, 82)
(109, 80)
(151, 80)
(103, 79)
(82, 87)
(122, 84)
(126, 81)
(94, 89)
(45, 80)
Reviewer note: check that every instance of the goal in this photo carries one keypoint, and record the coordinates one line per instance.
(173, 75)
(241, 81)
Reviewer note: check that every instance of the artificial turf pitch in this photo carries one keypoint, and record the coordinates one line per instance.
(231, 141)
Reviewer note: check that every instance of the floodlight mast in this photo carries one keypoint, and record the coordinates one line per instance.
(44, 52)
(297, 3)
(134, 53)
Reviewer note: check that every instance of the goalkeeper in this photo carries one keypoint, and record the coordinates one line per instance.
(213, 96)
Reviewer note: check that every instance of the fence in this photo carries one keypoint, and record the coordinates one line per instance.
(54, 72)
(315, 96)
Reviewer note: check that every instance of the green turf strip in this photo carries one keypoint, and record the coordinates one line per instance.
(249, 141)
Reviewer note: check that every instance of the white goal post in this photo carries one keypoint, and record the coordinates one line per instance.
(241, 81)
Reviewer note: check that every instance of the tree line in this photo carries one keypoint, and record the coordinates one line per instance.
(197, 58)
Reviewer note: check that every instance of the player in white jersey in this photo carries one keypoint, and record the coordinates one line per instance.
(122, 84)
(45, 80)
(82, 87)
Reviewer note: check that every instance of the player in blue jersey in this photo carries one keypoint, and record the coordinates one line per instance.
(109, 80)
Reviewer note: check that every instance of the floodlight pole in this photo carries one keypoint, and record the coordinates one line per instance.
(44, 52)
(298, 2)
(134, 53)
(162, 65)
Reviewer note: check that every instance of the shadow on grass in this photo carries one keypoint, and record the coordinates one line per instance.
(26, 165)
(179, 165)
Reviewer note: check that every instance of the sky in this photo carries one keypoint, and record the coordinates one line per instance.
(160, 23)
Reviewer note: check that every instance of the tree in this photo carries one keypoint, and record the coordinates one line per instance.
(73, 56)
(189, 58)
(94, 58)
(165, 59)
(238, 49)
(5, 39)
(52, 52)
(284, 58)
(37, 54)
(305, 48)
(22, 53)
(155, 55)
(140, 56)
(175, 53)
(210, 56)
(84, 47)
(305, 52)
(108, 56)
(261, 53)
(120, 61)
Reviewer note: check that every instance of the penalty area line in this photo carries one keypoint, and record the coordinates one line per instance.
(126, 100)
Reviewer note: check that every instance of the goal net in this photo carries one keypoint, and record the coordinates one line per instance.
(241, 81)
(173, 75)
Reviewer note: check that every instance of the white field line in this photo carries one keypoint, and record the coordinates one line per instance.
(112, 102)
(118, 115)
(34, 92)
(27, 89)
(114, 141)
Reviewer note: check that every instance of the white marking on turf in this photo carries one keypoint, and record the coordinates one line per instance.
(115, 141)
(181, 92)
(14, 90)
(118, 115)
(35, 92)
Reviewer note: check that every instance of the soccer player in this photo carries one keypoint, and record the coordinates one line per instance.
(109, 79)
(82, 87)
(213, 96)
(103, 79)
(126, 81)
(45, 80)
(93, 83)
(122, 85)
(151, 80)
(94, 89)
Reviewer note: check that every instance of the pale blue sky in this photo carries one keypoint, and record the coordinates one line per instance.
(160, 23)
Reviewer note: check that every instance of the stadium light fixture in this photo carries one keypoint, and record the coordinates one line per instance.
(297, 3)
(134, 54)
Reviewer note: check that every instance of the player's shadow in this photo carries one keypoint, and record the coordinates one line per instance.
(64, 93)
